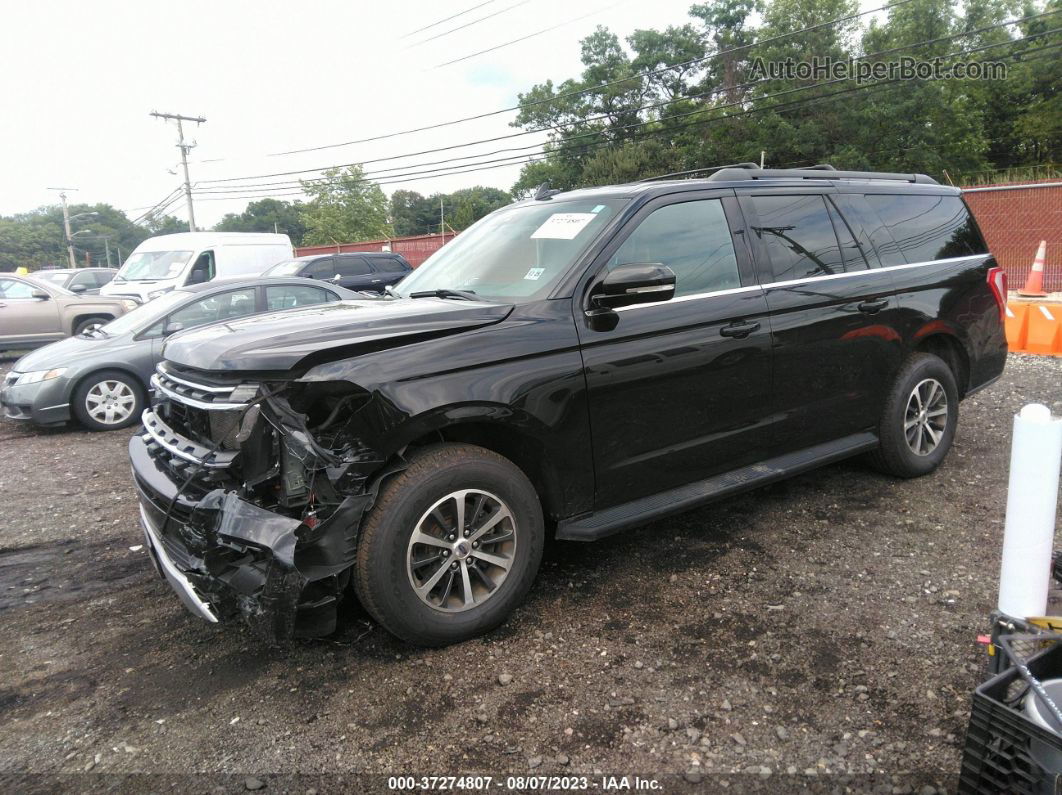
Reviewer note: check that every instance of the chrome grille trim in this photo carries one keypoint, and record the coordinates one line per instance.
(182, 447)
(156, 383)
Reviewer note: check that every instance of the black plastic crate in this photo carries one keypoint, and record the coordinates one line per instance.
(996, 757)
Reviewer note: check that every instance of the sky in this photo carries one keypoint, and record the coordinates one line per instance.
(80, 79)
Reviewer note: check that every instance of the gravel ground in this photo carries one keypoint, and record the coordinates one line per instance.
(818, 633)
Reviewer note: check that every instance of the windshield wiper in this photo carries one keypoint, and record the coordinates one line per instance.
(445, 292)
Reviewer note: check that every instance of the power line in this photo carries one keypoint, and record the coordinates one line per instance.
(446, 19)
(282, 184)
(894, 83)
(466, 25)
(593, 89)
(557, 126)
(529, 35)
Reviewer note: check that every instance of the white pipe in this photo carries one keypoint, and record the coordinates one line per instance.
(1032, 186)
(1032, 497)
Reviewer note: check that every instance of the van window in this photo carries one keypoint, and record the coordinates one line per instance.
(151, 265)
(691, 238)
(798, 235)
(203, 270)
(927, 228)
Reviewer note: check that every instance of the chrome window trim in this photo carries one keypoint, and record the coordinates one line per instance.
(805, 280)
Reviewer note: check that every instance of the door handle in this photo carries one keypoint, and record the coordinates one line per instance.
(872, 307)
(739, 330)
(377, 281)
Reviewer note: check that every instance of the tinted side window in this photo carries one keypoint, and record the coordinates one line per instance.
(877, 241)
(321, 269)
(850, 249)
(693, 239)
(86, 280)
(352, 266)
(928, 227)
(389, 265)
(103, 277)
(798, 235)
(287, 296)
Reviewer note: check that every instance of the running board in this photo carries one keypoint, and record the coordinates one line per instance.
(592, 526)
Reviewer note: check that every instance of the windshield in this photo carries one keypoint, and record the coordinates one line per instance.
(288, 268)
(143, 316)
(517, 253)
(55, 277)
(148, 265)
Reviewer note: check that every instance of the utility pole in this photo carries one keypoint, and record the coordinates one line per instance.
(442, 218)
(185, 148)
(66, 225)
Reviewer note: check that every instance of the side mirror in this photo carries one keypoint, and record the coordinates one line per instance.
(633, 283)
(172, 327)
(335, 279)
(40, 295)
(77, 288)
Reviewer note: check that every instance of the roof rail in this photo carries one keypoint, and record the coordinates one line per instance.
(816, 172)
(820, 167)
(698, 171)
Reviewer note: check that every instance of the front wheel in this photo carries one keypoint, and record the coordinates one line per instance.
(919, 419)
(451, 546)
(108, 400)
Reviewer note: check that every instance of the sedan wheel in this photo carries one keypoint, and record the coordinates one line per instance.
(108, 400)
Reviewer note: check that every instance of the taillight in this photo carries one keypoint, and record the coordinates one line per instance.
(997, 280)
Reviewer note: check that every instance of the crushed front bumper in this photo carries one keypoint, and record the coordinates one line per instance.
(227, 558)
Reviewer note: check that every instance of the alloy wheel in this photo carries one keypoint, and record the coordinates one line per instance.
(110, 402)
(461, 550)
(926, 416)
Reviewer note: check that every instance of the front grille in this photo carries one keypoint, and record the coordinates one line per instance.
(205, 411)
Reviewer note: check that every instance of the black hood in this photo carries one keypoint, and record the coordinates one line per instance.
(285, 340)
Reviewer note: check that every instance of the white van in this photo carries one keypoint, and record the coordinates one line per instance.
(160, 264)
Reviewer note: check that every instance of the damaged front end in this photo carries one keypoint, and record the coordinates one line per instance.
(252, 494)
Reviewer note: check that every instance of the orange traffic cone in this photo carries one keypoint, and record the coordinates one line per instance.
(1034, 285)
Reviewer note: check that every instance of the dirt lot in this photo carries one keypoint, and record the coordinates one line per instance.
(819, 632)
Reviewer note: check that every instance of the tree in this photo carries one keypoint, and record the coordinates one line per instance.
(267, 215)
(164, 224)
(344, 207)
(412, 213)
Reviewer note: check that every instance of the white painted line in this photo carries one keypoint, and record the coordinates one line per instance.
(1047, 314)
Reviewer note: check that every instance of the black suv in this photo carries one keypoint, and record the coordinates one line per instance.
(574, 364)
(371, 271)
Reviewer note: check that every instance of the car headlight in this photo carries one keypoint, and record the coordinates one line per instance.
(39, 375)
(129, 304)
(156, 293)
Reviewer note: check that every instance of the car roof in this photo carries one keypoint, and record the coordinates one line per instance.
(221, 285)
(747, 175)
(309, 257)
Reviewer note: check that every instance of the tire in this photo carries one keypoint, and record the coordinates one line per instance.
(89, 322)
(108, 393)
(391, 564)
(914, 443)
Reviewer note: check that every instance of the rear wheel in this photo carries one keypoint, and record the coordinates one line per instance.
(451, 546)
(919, 419)
(108, 400)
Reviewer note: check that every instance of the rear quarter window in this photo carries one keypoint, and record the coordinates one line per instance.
(927, 228)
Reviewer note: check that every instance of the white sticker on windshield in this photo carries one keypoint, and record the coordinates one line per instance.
(563, 226)
(535, 274)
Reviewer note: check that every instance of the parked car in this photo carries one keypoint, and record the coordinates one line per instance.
(101, 378)
(86, 281)
(34, 312)
(370, 271)
(166, 262)
(574, 364)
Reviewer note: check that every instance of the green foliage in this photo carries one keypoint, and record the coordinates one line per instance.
(714, 112)
(36, 239)
(343, 207)
(267, 215)
(414, 214)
